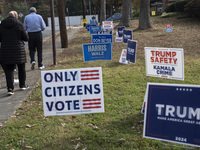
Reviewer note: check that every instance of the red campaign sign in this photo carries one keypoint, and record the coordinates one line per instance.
(168, 25)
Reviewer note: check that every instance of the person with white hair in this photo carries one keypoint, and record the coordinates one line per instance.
(34, 24)
(12, 51)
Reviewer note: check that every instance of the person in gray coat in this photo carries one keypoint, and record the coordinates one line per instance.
(12, 51)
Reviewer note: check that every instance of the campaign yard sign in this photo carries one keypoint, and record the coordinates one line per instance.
(120, 31)
(94, 22)
(102, 39)
(123, 57)
(104, 32)
(72, 91)
(165, 62)
(94, 29)
(84, 20)
(108, 25)
(168, 27)
(117, 38)
(127, 35)
(131, 51)
(172, 113)
(90, 25)
(92, 52)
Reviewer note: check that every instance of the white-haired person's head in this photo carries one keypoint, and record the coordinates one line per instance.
(32, 9)
(13, 14)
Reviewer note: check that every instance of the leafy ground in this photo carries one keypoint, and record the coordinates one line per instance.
(121, 126)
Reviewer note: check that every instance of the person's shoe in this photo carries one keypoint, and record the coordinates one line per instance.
(42, 67)
(24, 87)
(33, 65)
(16, 81)
(10, 92)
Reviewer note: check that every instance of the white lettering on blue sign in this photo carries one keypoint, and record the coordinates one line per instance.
(127, 36)
(92, 48)
(179, 111)
(131, 50)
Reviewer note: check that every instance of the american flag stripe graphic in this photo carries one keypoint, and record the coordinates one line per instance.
(91, 103)
(90, 75)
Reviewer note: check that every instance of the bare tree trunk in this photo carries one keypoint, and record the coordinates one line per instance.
(62, 23)
(125, 20)
(103, 11)
(144, 18)
(83, 7)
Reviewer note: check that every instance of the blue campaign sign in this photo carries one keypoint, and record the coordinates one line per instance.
(94, 52)
(88, 26)
(120, 31)
(131, 51)
(104, 32)
(94, 29)
(168, 29)
(93, 22)
(127, 34)
(102, 39)
(172, 113)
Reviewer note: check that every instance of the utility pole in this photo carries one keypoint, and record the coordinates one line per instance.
(83, 7)
(131, 9)
(62, 23)
(102, 11)
(90, 6)
(53, 32)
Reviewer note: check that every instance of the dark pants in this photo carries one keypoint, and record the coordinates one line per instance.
(9, 72)
(35, 43)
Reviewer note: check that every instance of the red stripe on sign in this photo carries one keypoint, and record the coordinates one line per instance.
(91, 107)
(88, 100)
(89, 75)
(92, 103)
(89, 71)
(90, 78)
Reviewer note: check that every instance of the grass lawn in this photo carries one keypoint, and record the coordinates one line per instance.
(121, 126)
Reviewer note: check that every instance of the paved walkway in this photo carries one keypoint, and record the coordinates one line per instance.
(9, 104)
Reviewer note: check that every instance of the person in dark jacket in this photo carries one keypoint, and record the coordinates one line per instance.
(12, 52)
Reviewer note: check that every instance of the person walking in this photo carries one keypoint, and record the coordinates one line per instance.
(12, 51)
(34, 24)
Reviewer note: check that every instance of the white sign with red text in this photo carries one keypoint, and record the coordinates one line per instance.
(108, 26)
(123, 57)
(165, 62)
(72, 91)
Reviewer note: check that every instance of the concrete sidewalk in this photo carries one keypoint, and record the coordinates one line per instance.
(9, 104)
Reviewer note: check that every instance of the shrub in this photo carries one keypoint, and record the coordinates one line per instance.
(177, 6)
(193, 8)
(170, 8)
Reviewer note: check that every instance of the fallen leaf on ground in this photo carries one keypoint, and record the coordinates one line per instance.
(73, 116)
(77, 146)
(63, 124)
(93, 126)
(122, 139)
(28, 126)
(30, 147)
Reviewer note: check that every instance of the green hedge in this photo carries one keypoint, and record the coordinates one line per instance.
(193, 8)
(177, 6)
